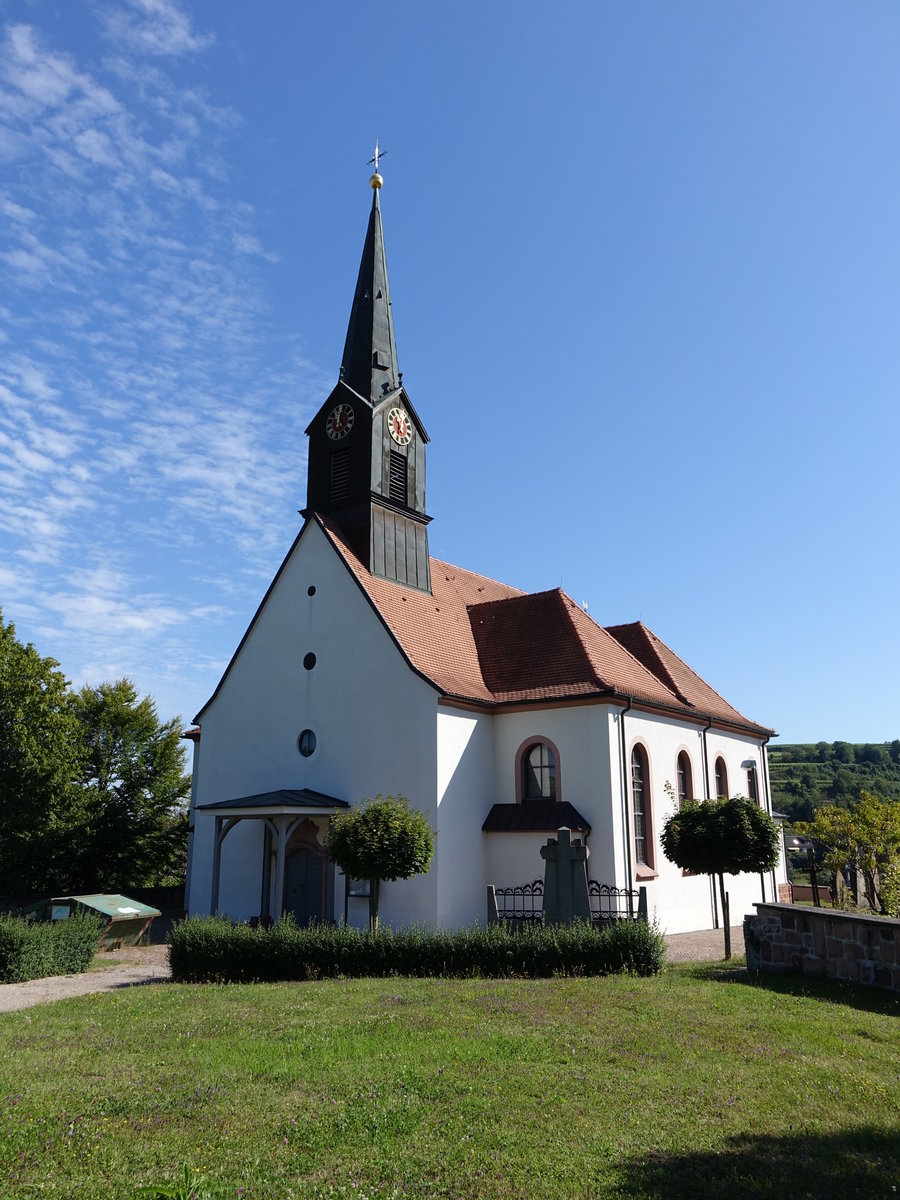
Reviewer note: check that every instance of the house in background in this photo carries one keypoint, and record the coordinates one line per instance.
(370, 666)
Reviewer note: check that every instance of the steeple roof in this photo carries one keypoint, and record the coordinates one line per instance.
(369, 363)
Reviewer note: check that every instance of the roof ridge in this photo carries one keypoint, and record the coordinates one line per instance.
(666, 677)
(507, 599)
(676, 695)
(567, 609)
(689, 668)
(440, 562)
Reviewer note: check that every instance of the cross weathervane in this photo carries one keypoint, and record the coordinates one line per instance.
(378, 154)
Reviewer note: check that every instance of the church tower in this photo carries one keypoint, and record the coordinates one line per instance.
(366, 443)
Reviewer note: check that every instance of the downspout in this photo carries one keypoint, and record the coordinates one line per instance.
(764, 756)
(192, 820)
(712, 882)
(628, 865)
(703, 734)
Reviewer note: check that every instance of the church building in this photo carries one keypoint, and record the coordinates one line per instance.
(501, 715)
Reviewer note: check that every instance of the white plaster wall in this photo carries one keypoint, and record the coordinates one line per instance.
(581, 734)
(681, 902)
(465, 791)
(511, 859)
(736, 751)
(373, 718)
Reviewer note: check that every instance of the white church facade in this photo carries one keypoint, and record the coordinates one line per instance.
(501, 715)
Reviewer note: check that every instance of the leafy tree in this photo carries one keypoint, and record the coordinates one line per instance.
(844, 787)
(865, 837)
(381, 839)
(40, 758)
(135, 790)
(869, 753)
(721, 837)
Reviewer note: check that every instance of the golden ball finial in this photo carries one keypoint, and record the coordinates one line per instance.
(376, 181)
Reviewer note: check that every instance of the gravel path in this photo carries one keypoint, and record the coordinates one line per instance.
(704, 946)
(150, 964)
(127, 967)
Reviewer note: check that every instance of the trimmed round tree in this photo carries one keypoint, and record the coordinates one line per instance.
(721, 837)
(381, 839)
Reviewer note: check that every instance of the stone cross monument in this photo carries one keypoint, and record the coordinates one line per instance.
(565, 879)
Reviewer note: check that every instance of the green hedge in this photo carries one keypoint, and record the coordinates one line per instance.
(34, 949)
(212, 949)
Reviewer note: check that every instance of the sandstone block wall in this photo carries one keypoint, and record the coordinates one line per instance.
(825, 942)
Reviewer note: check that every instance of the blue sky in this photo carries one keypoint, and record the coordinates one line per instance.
(645, 267)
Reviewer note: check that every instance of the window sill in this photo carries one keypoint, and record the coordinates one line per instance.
(645, 873)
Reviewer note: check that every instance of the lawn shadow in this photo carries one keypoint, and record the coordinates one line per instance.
(861, 1163)
(793, 983)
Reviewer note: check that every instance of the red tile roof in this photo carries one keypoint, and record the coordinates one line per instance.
(665, 664)
(478, 640)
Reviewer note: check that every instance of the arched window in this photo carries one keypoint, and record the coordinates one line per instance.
(538, 772)
(752, 790)
(685, 778)
(640, 802)
(721, 779)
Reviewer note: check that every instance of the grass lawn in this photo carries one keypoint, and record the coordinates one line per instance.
(690, 1084)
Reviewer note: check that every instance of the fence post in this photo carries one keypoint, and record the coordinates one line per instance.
(642, 913)
(493, 916)
(726, 914)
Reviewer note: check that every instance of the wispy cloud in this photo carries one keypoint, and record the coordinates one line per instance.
(157, 27)
(150, 419)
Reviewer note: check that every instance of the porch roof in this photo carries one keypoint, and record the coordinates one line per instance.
(288, 801)
(534, 816)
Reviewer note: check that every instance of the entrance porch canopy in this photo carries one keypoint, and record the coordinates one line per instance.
(282, 812)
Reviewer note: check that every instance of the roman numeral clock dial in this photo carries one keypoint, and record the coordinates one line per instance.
(340, 422)
(400, 426)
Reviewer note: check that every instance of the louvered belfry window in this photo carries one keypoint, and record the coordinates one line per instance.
(397, 479)
(340, 475)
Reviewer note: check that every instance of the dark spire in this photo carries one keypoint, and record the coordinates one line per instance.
(369, 362)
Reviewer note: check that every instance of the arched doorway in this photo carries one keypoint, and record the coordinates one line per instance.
(304, 885)
(305, 876)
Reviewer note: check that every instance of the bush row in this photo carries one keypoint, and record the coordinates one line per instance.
(212, 949)
(34, 949)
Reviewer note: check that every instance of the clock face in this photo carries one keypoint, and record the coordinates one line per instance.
(400, 426)
(340, 422)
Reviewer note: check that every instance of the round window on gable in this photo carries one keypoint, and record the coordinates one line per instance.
(307, 743)
(309, 660)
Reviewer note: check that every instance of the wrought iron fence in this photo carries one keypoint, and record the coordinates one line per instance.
(525, 902)
(610, 903)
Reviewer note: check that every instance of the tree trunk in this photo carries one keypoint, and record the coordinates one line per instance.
(726, 916)
(373, 905)
(872, 897)
(813, 878)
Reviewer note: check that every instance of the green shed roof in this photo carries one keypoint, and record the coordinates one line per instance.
(110, 905)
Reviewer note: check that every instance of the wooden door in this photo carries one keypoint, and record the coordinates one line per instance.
(304, 885)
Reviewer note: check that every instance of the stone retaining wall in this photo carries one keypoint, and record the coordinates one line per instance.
(824, 941)
(803, 891)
